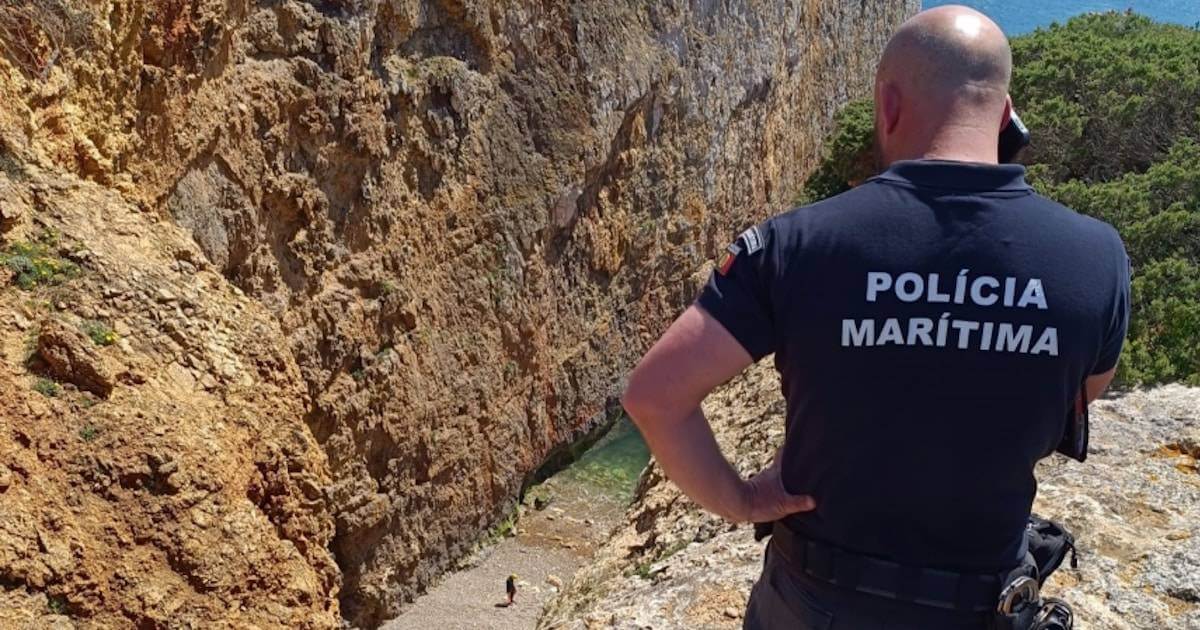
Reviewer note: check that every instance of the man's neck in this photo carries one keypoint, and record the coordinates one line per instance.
(973, 157)
(963, 143)
(954, 143)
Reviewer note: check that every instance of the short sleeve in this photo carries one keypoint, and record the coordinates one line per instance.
(1115, 335)
(738, 293)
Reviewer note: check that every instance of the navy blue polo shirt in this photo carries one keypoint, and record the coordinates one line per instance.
(932, 328)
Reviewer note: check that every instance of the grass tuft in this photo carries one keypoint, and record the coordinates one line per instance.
(101, 334)
(56, 605)
(47, 388)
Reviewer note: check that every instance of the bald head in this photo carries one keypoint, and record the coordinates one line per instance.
(949, 52)
(942, 86)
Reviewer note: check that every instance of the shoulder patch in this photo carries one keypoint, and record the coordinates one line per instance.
(748, 242)
(753, 240)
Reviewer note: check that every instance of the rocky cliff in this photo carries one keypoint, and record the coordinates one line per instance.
(1133, 507)
(155, 469)
(302, 292)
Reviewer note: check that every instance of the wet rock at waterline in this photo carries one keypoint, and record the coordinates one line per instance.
(1134, 507)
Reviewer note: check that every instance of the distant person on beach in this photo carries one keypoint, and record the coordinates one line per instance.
(510, 587)
(935, 329)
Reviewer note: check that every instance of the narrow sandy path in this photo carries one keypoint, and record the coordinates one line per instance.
(548, 548)
(580, 506)
(470, 599)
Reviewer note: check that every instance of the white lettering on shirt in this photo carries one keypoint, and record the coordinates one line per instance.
(947, 331)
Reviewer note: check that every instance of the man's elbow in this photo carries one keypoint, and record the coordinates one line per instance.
(637, 402)
(644, 402)
(1097, 383)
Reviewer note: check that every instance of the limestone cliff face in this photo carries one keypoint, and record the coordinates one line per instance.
(461, 219)
(155, 468)
(1132, 507)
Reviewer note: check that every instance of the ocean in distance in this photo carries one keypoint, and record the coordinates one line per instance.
(1017, 17)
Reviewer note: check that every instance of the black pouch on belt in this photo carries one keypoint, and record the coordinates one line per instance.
(1049, 542)
(1020, 606)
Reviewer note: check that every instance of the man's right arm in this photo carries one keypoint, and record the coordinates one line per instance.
(1115, 335)
(1097, 383)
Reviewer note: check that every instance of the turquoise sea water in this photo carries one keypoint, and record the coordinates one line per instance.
(1022, 16)
(613, 465)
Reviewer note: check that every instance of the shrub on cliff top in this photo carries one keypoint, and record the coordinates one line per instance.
(1106, 93)
(1113, 103)
(1158, 215)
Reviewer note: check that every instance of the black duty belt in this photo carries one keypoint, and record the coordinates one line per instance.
(967, 592)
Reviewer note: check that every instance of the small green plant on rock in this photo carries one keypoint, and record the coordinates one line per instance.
(642, 569)
(539, 497)
(29, 346)
(89, 433)
(56, 605)
(102, 334)
(35, 264)
(508, 526)
(47, 388)
(646, 569)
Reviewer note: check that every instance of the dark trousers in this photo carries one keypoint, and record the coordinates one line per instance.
(786, 599)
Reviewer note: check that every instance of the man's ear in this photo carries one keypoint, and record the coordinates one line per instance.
(889, 107)
(1007, 119)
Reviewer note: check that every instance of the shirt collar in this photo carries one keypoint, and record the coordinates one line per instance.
(964, 176)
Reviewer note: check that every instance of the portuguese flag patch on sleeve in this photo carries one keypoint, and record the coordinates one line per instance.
(752, 238)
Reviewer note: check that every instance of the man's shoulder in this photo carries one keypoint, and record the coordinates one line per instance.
(867, 200)
(875, 206)
(846, 206)
(1060, 218)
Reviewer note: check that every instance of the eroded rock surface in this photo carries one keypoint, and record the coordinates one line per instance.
(163, 476)
(68, 355)
(450, 219)
(1134, 507)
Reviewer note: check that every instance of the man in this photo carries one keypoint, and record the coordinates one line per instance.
(933, 328)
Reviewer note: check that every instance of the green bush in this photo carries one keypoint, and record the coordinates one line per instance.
(35, 264)
(1106, 94)
(89, 433)
(56, 605)
(101, 334)
(1158, 215)
(848, 156)
(1113, 103)
(47, 388)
